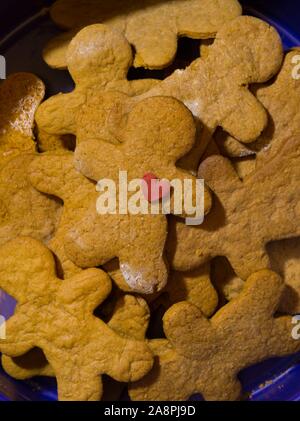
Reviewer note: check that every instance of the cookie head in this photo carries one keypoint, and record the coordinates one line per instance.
(35, 268)
(253, 50)
(161, 126)
(98, 52)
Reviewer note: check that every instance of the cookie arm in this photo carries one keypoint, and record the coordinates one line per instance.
(23, 261)
(55, 51)
(54, 173)
(220, 176)
(129, 360)
(245, 119)
(187, 247)
(189, 181)
(57, 115)
(260, 297)
(258, 303)
(248, 257)
(88, 244)
(261, 293)
(131, 317)
(85, 291)
(248, 40)
(139, 87)
(98, 160)
(195, 287)
(197, 341)
(65, 267)
(29, 365)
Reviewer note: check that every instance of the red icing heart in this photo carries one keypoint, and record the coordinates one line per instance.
(154, 189)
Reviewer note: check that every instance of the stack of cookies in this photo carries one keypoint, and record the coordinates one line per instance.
(168, 307)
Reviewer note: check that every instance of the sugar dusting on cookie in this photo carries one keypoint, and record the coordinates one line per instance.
(194, 106)
(136, 279)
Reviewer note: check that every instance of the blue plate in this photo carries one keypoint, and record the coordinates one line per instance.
(273, 380)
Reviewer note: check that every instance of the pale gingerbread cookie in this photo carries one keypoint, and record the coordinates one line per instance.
(130, 319)
(197, 88)
(213, 88)
(35, 364)
(57, 317)
(206, 356)
(20, 96)
(246, 214)
(55, 174)
(151, 27)
(98, 59)
(280, 98)
(158, 132)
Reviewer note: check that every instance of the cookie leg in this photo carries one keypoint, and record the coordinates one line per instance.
(88, 244)
(74, 385)
(221, 387)
(141, 260)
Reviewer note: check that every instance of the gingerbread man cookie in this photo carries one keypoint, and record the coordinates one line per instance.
(98, 59)
(205, 356)
(57, 317)
(213, 88)
(129, 319)
(246, 214)
(158, 132)
(151, 27)
(281, 99)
